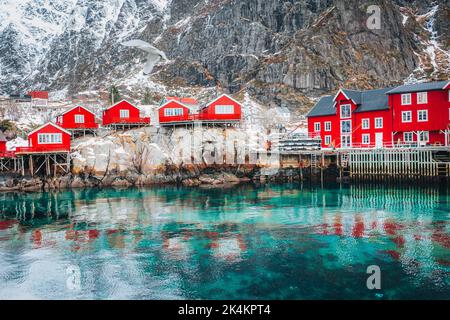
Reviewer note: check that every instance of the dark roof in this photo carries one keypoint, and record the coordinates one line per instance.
(373, 100)
(353, 95)
(325, 107)
(370, 100)
(2, 137)
(425, 86)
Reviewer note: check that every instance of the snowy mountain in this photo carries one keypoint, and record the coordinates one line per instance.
(282, 53)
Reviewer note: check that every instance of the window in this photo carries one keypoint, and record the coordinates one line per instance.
(316, 126)
(49, 138)
(422, 97)
(346, 126)
(378, 123)
(79, 118)
(171, 112)
(327, 125)
(365, 124)
(406, 99)
(125, 113)
(224, 109)
(422, 115)
(327, 140)
(60, 119)
(423, 136)
(366, 138)
(406, 116)
(346, 141)
(408, 137)
(346, 111)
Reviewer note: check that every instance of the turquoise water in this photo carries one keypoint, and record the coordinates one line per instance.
(243, 242)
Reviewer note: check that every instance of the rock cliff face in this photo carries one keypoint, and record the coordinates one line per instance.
(280, 52)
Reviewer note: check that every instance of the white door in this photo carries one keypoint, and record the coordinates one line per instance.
(379, 140)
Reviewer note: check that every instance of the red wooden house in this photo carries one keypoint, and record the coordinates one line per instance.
(124, 114)
(417, 114)
(224, 109)
(48, 138)
(352, 119)
(421, 113)
(174, 112)
(77, 119)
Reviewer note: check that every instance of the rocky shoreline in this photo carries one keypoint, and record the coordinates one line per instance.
(189, 176)
(192, 176)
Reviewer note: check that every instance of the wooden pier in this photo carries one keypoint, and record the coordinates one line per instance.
(43, 163)
(372, 164)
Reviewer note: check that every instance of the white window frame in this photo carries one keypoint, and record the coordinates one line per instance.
(224, 109)
(377, 126)
(316, 126)
(49, 138)
(327, 125)
(327, 140)
(173, 112)
(408, 134)
(410, 116)
(349, 111)
(365, 135)
(422, 97)
(349, 145)
(124, 113)
(406, 99)
(79, 118)
(425, 133)
(365, 121)
(422, 112)
(350, 130)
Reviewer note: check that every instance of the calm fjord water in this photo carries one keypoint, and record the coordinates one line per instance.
(244, 242)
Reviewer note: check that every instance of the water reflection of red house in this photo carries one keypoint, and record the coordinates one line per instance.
(228, 247)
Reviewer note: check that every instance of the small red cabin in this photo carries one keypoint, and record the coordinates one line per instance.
(77, 118)
(222, 109)
(124, 114)
(49, 138)
(39, 98)
(175, 112)
(38, 95)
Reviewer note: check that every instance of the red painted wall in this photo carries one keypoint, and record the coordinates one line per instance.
(167, 119)
(386, 115)
(356, 125)
(334, 133)
(38, 94)
(33, 140)
(438, 112)
(68, 119)
(2, 146)
(112, 115)
(208, 113)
